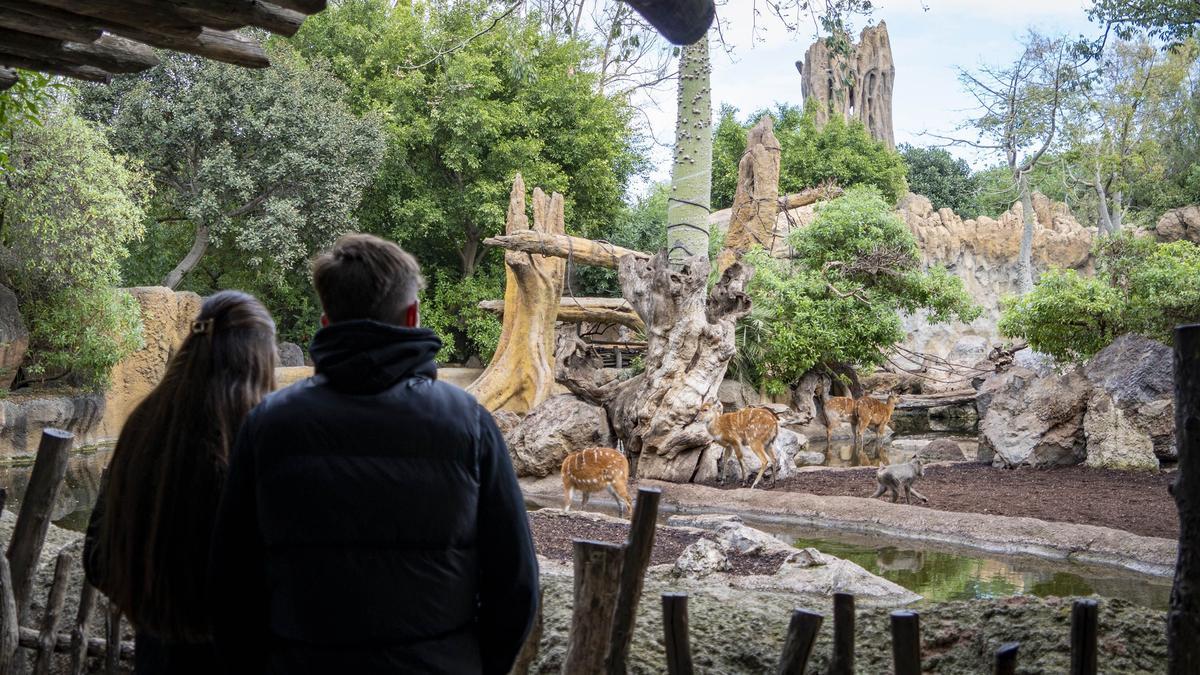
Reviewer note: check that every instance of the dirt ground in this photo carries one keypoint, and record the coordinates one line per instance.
(1136, 502)
(552, 536)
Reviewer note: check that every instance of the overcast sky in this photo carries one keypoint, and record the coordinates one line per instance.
(928, 45)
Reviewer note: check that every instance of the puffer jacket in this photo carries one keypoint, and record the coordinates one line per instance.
(372, 522)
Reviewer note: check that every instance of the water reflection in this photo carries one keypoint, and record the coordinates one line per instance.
(76, 496)
(943, 575)
(842, 453)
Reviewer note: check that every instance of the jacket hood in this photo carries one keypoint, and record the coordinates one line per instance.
(364, 356)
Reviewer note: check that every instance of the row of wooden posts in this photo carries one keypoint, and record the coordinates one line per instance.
(18, 571)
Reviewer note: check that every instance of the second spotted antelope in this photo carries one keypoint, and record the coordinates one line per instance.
(595, 469)
(875, 415)
(755, 428)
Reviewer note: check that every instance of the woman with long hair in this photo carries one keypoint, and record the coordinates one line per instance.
(148, 541)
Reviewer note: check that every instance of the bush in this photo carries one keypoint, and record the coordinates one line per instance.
(70, 208)
(946, 180)
(452, 311)
(840, 152)
(1140, 286)
(838, 301)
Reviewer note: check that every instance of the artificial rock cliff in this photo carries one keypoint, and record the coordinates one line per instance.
(855, 86)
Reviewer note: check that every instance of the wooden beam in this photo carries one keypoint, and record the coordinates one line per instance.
(809, 196)
(244, 12)
(585, 310)
(76, 71)
(8, 77)
(305, 6)
(577, 249)
(212, 44)
(111, 53)
(157, 17)
(37, 25)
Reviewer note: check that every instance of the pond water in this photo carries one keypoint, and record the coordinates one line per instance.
(841, 453)
(75, 499)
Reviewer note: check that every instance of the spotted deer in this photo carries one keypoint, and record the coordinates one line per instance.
(838, 409)
(595, 469)
(874, 415)
(755, 428)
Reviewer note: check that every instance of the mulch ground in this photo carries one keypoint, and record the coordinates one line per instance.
(552, 537)
(1136, 502)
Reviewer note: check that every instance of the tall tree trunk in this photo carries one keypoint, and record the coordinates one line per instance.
(521, 373)
(189, 262)
(1025, 258)
(1106, 223)
(469, 253)
(752, 219)
(691, 174)
(1118, 212)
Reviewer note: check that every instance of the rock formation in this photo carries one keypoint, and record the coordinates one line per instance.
(755, 209)
(14, 338)
(1130, 421)
(558, 426)
(1027, 420)
(1180, 223)
(855, 86)
(290, 355)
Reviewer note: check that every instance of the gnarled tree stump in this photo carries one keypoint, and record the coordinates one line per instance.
(689, 342)
(521, 373)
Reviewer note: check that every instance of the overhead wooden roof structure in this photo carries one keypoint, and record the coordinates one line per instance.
(96, 39)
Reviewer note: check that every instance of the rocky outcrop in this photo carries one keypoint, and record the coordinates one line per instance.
(983, 253)
(290, 355)
(22, 418)
(166, 321)
(857, 86)
(1130, 420)
(14, 338)
(558, 426)
(1181, 223)
(1027, 420)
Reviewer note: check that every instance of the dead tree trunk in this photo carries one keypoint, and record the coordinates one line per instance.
(756, 200)
(1183, 617)
(689, 342)
(521, 374)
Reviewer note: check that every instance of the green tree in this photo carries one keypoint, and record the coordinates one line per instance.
(1171, 20)
(840, 152)
(68, 209)
(946, 180)
(838, 301)
(21, 104)
(641, 227)
(1140, 286)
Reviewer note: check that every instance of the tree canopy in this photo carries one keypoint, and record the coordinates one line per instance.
(838, 301)
(840, 152)
(1140, 286)
(945, 179)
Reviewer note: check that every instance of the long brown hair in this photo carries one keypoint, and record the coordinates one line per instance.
(168, 468)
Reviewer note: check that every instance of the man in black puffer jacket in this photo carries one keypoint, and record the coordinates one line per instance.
(372, 522)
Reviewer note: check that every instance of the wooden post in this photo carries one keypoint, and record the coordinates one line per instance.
(529, 650)
(597, 574)
(1084, 615)
(1183, 615)
(643, 525)
(675, 633)
(906, 642)
(1006, 658)
(9, 625)
(843, 634)
(54, 608)
(112, 655)
(79, 632)
(29, 533)
(802, 633)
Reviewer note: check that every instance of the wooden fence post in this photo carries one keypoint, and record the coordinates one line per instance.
(1084, 615)
(112, 653)
(1006, 658)
(675, 633)
(906, 642)
(29, 533)
(597, 573)
(1183, 616)
(79, 632)
(10, 633)
(843, 635)
(633, 573)
(802, 633)
(48, 638)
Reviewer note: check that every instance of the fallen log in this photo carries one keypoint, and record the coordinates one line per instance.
(585, 310)
(580, 251)
(808, 196)
(920, 402)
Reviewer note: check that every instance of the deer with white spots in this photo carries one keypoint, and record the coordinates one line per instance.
(595, 469)
(755, 428)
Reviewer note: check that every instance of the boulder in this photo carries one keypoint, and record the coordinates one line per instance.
(735, 395)
(1030, 420)
(1130, 420)
(558, 426)
(941, 450)
(506, 421)
(788, 446)
(14, 338)
(1180, 223)
(290, 355)
(809, 458)
(700, 559)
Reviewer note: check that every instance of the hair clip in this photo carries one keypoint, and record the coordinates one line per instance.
(202, 327)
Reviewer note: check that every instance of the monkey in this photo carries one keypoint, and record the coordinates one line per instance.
(897, 477)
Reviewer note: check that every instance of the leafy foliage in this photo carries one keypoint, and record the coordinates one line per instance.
(1140, 286)
(838, 301)
(946, 180)
(453, 313)
(840, 152)
(1171, 20)
(68, 210)
(640, 227)
(21, 104)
